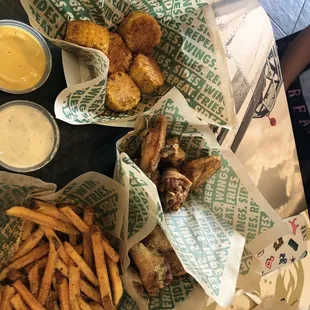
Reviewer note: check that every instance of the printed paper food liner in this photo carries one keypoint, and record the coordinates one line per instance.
(287, 249)
(107, 197)
(190, 55)
(209, 232)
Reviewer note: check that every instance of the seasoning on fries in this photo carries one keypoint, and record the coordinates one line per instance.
(49, 272)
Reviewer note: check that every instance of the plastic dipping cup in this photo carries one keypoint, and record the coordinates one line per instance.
(25, 57)
(29, 136)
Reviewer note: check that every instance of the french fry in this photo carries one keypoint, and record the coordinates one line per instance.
(48, 274)
(73, 239)
(56, 307)
(75, 219)
(41, 264)
(79, 249)
(89, 291)
(116, 282)
(85, 287)
(34, 280)
(51, 300)
(48, 209)
(27, 229)
(28, 244)
(33, 255)
(87, 250)
(18, 303)
(14, 275)
(109, 250)
(50, 233)
(74, 284)
(101, 268)
(42, 219)
(107, 303)
(83, 305)
(7, 294)
(28, 298)
(88, 218)
(62, 267)
(81, 263)
(63, 291)
(95, 306)
(54, 281)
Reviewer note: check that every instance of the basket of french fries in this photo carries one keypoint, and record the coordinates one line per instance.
(55, 248)
(195, 219)
(134, 52)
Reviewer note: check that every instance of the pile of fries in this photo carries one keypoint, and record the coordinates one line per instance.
(64, 262)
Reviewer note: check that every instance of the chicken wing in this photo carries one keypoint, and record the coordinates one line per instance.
(175, 264)
(201, 169)
(174, 187)
(152, 145)
(172, 152)
(157, 240)
(154, 269)
(155, 177)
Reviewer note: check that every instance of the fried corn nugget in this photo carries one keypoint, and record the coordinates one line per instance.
(146, 74)
(141, 32)
(122, 93)
(119, 55)
(88, 34)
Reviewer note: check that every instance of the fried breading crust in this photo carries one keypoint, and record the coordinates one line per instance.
(119, 55)
(141, 32)
(175, 264)
(154, 269)
(174, 187)
(201, 169)
(157, 240)
(122, 94)
(172, 152)
(152, 145)
(88, 34)
(146, 74)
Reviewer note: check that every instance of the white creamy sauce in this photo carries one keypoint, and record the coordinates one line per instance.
(26, 136)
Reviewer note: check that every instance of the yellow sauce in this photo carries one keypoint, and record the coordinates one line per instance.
(26, 136)
(22, 58)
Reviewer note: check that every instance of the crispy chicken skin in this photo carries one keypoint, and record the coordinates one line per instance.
(175, 264)
(157, 240)
(119, 55)
(141, 32)
(155, 177)
(201, 169)
(174, 188)
(154, 269)
(152, 145)
(172, 152)
(88, 34)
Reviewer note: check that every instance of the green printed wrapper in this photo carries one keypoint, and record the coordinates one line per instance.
(220, 224)
(190, 55)
(107, 197)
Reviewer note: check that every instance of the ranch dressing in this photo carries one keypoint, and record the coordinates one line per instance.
(26, 136)
(23, 61)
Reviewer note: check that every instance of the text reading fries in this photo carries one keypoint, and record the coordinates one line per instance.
(64, 262)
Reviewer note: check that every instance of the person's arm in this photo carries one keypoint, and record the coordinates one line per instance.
(296, 58)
